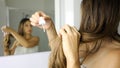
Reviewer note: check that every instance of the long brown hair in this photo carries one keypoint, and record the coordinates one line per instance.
(100, 19)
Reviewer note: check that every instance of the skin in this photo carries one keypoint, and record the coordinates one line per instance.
(108, 55)
(70, 40)
(27, 40)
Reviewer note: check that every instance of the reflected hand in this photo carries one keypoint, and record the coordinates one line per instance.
(35, 20)
(70, 41)
(5, 29)
(6, 40)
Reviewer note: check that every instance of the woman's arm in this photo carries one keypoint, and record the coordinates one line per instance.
(73, 63)
(49, 26)
(25, 43)
(70, 43)
(52, 36)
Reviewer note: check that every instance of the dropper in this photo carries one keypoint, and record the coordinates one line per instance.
(42, 22)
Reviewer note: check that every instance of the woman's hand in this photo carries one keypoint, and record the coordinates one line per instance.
(70, 41)
(6, 29)
(6, 40)
(35, 20)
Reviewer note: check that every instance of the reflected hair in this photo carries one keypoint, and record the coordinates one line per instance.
(100, 19)
(21, 26)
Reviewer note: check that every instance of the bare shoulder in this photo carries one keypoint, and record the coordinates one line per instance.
(115, 53)
(113, 58)
(114, 50)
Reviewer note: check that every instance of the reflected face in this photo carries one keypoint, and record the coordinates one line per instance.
(27, 27)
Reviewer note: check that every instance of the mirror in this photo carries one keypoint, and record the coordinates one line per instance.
(18, 9)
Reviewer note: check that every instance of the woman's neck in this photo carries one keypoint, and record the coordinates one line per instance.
(27, 36)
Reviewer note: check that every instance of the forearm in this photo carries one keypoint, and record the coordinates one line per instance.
(73, 60)
(20, 39)
(51, 33)
(73, 64)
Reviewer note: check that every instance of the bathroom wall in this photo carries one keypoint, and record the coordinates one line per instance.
(3, 20)
(67, 12)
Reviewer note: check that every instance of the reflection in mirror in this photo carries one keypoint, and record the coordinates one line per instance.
(16, 11)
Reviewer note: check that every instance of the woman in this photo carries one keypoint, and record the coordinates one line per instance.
(96, 45)
(24, 43)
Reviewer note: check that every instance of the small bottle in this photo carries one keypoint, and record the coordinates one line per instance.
(42, 22)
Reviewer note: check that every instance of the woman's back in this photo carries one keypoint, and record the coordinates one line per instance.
(107, 55)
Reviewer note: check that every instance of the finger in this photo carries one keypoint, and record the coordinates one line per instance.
(42, 14)
(47, 18)
(62, 32)
(3, 27)
(33, 24)
(35, 17)
(67, 29)
(75, 32)
(59, 35)
(75, 29)
(33, 20)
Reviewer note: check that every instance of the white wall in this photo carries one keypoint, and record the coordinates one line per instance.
(3, 20)
(67, 12)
